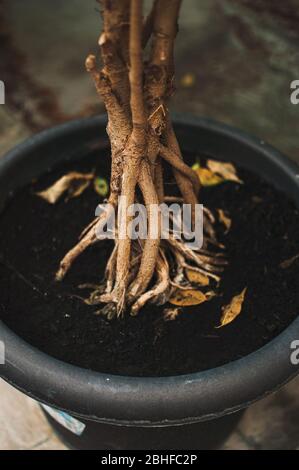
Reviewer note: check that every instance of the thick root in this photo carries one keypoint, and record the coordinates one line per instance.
(135, 90)
(158, 294)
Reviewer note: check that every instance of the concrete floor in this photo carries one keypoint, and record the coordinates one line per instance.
(241, 56)
(22, 424)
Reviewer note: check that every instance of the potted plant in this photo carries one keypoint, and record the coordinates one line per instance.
(182, 332)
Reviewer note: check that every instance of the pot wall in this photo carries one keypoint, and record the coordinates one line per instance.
(147, 402)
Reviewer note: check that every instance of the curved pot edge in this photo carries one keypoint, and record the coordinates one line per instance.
(140, 390)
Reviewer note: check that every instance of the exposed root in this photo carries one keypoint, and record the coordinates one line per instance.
(110, 270)
(151, 245)
(90, 237)
(173, 159)
(208, 263)
(135, 90)
(184, 257)
(158, 293)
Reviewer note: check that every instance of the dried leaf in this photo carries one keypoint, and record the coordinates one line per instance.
(224, 219)
(197, 278)
(170, 314)
(188, 297)
(78, 189)
(74, 183)
(206, 176)
(101, 186)
(233, 309)
(226, 170)
(288, 262)
(188, 80)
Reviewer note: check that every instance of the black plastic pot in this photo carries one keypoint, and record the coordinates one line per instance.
(190, 411)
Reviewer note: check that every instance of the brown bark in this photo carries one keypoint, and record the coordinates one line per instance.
(135, 149)
(135, 92)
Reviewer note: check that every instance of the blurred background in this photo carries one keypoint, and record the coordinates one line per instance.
(235, 61)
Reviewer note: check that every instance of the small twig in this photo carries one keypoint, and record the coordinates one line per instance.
(181, 287)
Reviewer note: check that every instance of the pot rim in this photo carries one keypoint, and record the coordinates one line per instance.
(150, 401)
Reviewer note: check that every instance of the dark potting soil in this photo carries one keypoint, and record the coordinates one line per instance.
(34, 236)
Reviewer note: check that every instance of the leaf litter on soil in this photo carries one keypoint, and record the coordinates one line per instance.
(232, 310)
(73, 183)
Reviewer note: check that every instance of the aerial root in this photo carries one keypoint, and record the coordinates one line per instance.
(174, 256)
(91, 236)
(158, 293)
(174, 260)
(110, 270)
(135, 90)
(174, 160)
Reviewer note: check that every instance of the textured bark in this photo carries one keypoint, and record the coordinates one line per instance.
(136, 90)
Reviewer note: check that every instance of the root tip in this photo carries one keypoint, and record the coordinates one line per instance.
(60, 274)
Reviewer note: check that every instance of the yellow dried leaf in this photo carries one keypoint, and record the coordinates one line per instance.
(78, 189)
(74, 183)
(188, 80)
(197, 278)
(233, 309)
(226, 170)
(101, 186)
(224, 219)
(188, 297)
(206, 176)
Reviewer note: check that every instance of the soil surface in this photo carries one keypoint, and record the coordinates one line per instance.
(34, 236)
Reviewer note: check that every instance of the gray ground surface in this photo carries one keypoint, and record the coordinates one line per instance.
(235, 62)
